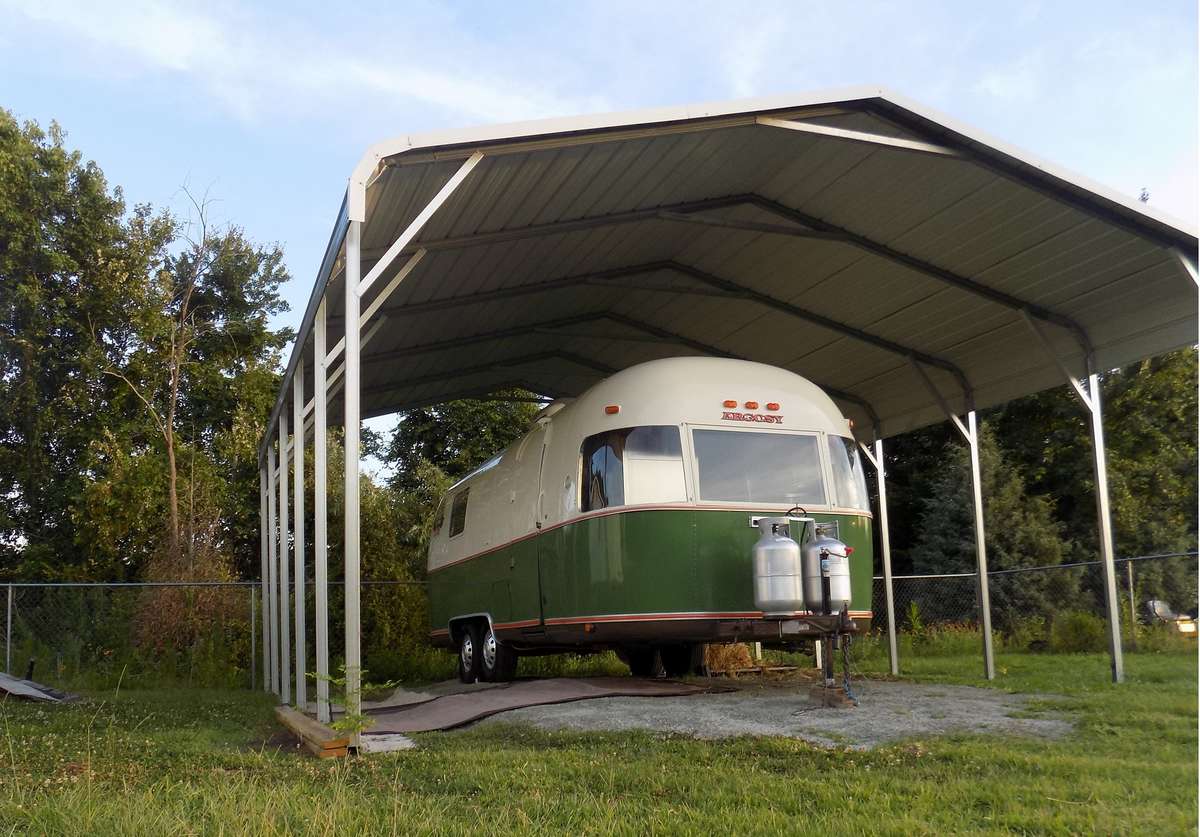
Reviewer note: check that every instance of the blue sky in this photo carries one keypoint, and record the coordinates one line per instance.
(268, 106)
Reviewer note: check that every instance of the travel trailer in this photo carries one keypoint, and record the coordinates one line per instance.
(680, 502)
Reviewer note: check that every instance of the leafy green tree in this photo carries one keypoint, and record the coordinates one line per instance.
(1021, 532)
(456, 437)
(71, 256)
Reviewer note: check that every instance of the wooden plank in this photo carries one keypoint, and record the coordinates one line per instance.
(316, 736)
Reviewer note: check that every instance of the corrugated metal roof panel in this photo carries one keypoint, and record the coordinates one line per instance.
(1022, 232)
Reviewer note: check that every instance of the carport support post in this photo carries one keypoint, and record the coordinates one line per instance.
(1105, 524)
(266, 619)
(320, 509)
(298, 503)
(351, 393)
(885, 544)
(285, 587)
(985, 600)
(272, 673)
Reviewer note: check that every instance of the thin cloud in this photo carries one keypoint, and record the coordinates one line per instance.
(246, 65)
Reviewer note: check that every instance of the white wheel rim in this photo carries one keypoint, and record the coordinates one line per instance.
(489, 651)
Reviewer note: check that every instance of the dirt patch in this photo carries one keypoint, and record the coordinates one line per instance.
(279, 741)
(887, 712)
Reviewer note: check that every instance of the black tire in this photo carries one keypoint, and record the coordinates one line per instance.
(680, 660)
(469, 643)
(497, 659)
(642, 662)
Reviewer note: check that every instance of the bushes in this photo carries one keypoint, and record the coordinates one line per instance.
(1075, 632)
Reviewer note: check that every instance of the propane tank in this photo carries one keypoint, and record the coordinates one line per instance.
(824, 561)
(778, 580)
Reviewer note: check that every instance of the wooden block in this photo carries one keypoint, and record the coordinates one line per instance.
(316, 736)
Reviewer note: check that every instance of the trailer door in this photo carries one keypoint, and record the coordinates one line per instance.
(525, 501)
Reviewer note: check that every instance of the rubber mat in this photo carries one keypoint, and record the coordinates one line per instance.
(449, 711)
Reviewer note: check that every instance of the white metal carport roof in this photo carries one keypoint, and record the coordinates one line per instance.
(912, 267)
(766, 229)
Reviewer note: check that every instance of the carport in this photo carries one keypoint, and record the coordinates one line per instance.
(914, 268)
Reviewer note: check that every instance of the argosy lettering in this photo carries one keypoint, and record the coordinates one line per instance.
(755, 417)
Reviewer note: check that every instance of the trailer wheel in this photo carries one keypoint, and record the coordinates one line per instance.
(498, 661)
(469, 643)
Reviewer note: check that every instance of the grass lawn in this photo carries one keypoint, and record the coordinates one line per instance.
(181, 762)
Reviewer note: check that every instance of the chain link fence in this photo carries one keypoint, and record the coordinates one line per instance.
(932, 611)
(209, 634)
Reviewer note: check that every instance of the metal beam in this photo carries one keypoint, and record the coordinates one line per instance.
(378, 301)
(826, 322)
(830, 132)
(418, 223)
(266, 571)
(351, 430)
(587, 222)
(321, 515)
(1104, 522)
(272, 638)
(1188, 264)
(285, 587)
(885, 544)
(492, 365)
(970, 433)
(941, 274)
(749, 226)
(298, 548)
(1090, 399)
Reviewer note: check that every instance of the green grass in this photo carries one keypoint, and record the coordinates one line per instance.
(180, 762)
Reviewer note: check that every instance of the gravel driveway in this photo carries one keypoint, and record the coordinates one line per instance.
(887, 712)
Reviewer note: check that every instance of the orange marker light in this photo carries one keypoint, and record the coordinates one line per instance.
(773, 407)
(730, 404)
(751, 405)
(612, 409)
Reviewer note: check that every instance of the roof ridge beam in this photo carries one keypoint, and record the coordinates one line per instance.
(942, 274)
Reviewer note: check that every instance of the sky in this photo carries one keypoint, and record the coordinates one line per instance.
(266, 107)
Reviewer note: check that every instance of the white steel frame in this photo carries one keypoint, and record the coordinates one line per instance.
(329, 379)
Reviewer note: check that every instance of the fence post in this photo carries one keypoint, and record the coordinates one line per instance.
(253, 640)
(8, 634)
(1132, 607)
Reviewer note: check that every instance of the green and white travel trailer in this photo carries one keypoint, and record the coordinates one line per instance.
(628, 519)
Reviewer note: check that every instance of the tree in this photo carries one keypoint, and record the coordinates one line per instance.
(456, 437)
(1020, 532)
(68, 252)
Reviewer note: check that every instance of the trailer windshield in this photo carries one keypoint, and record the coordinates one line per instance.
(752, 467)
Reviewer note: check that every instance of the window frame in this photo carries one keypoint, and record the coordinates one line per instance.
(822, 457)
(463, 494)
(684, 454)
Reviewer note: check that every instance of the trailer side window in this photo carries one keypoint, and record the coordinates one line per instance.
(848, 480)
(631, 466)
(458, 513)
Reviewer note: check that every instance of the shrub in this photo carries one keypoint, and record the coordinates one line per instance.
(1075, 632)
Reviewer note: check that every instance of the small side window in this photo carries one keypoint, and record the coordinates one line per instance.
(458, 513)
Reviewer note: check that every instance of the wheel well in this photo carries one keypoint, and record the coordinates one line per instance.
(460, 623)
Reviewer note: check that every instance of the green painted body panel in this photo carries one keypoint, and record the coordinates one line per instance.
(652, 561)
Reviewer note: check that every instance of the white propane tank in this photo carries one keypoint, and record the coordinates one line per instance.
(778, 580)
(825, 557)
